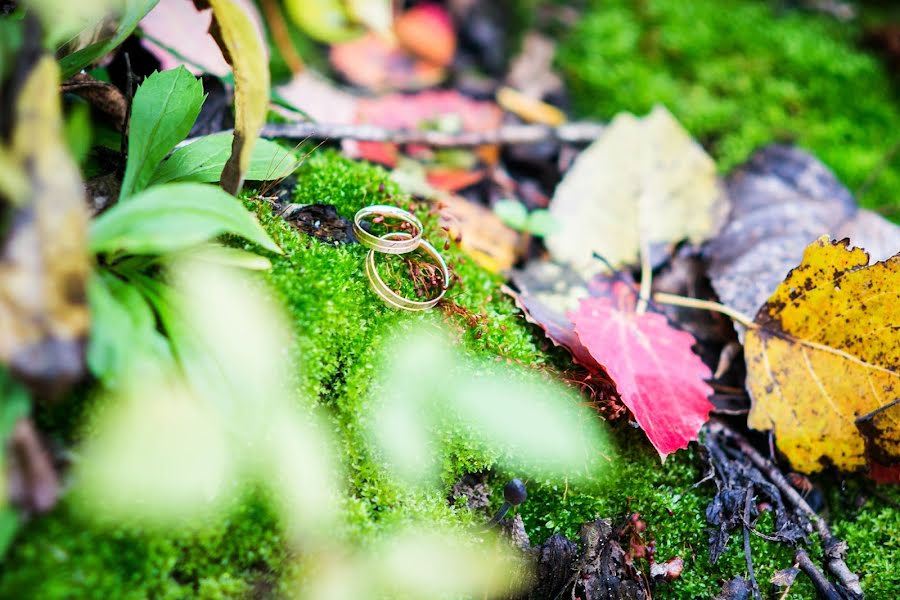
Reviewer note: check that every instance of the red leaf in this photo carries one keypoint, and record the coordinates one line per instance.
(658, 376)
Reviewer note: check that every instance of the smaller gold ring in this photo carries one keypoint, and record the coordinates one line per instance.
(385, 243)
(390, 297)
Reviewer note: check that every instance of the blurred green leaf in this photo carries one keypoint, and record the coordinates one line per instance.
(204, 159)
(78, 132)
(164, 110)
(134, 11)
(173, 217)
(9, 526)
(123, 328)
(513, 213)
(541, 223)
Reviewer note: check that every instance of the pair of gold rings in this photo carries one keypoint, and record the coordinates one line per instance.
(396, 242)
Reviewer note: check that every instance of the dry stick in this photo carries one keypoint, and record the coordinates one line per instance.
(833, 547)
(747, 500)
(823, 586)
(575, 132)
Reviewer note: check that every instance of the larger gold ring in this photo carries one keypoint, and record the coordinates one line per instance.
(386, 243)
(394, 299)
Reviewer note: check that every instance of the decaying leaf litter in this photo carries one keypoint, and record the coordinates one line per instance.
(631, 253)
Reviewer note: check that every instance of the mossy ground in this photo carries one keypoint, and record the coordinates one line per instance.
(738, 76)
(341, 330)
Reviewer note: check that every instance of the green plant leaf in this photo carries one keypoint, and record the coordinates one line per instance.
(513, 213)
(164, 109)
(541, 223)
(204, 159)
(123, 326)
(134, 11)
(172, 217)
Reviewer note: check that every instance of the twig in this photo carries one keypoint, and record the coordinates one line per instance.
(834, 548)
(676, 300)
(825, 588)
(746, 517)
(575, 132)
(646, 277)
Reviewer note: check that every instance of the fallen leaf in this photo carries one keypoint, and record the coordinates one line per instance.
(824, 353)
(176, 33)
(529, 109)
(381, 65)
(667, 571)
(102, 95)
(547, 292)
(880, 430)
(319, 220)
(317, 97)
(245, 50)
(426, 30)
(783, 199)
(444, 110)
(44, 260)
(481, 233)
(658, 376)
(644, 179)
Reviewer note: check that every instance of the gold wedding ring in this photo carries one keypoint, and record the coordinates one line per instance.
(397, 242)
(394, 299)
(385, 243)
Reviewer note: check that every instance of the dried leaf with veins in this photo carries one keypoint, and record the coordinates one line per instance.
(826, 351)
(658, 376)
(644, 179)
(782, 199)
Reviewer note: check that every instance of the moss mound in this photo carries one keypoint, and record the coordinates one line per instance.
(740, 74)
(340, 329)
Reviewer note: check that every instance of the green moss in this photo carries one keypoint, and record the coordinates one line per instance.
(341, 330)
(740, 74)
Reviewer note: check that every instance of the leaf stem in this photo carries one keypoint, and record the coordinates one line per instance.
(646, 277)
(676, 300)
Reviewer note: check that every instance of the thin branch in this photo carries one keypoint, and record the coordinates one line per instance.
(646, 277)
(748, 499)
(834, 548)
(675, 300)
(820, 582)
(574, 132)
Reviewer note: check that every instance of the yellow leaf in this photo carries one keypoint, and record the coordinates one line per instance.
(643, 179)
(529, 109)
(826, 352)
(44, 261)
(245, 51)
(481, 233)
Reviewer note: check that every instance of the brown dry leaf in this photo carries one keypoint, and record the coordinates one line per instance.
(482, 234)
(102, 95)
(826, 352)
(645, 178)
(43, 259)
(245, 50)
(782, 199)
